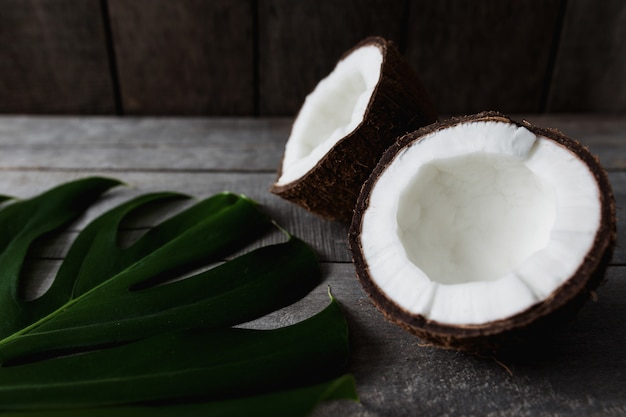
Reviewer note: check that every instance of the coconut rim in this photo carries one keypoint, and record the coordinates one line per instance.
(579, 282)
(383, 46)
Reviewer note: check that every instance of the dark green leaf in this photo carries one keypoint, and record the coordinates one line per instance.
(117, 326)
(23, 222)
(286, 403)
(241, 290)
(199, 363)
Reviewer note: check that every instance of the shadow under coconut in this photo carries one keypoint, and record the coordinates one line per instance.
(586, 356)
(578, 369)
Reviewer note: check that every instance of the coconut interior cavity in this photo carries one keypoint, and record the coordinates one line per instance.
(474, 217)
(334, 109)
(478, 222)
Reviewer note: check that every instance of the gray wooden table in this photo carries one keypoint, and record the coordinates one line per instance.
(581, 372)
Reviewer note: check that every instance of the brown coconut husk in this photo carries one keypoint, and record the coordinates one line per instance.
(398, 105)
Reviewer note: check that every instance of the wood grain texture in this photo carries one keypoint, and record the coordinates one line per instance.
(53, 58)
(184, 57)
(488, 55)
(178, 144)
(246, 57)
(579, 371)
(199, 155)
(233, 144)
(300, 43)
(591, 64)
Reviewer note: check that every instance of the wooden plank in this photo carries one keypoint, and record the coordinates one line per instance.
(54, 58)
(488, 55)
(184, 57)
(243, 144)
(300, 43)
(142, 144)
(195, 155)
(398, 375)
(591, 65)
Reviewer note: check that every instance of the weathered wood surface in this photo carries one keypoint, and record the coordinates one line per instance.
(590, 68)
(53, 58)
(581, 371)
(486, 55)
(251, 57)
(300, 43)
(184, 57)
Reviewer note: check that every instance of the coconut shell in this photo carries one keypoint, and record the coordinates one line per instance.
(518, 330)
(399, 104)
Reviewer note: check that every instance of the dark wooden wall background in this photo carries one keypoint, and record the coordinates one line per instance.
(261, 57)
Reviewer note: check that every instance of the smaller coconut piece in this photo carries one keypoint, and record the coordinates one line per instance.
(345, 124)
(479, 232)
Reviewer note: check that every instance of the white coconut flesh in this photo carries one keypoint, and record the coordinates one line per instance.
(486, 220)
(334, 109)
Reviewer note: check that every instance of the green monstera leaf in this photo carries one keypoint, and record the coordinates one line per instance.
(118, 333)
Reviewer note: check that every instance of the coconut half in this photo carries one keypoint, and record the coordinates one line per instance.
(345, 124)
(478, 231)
